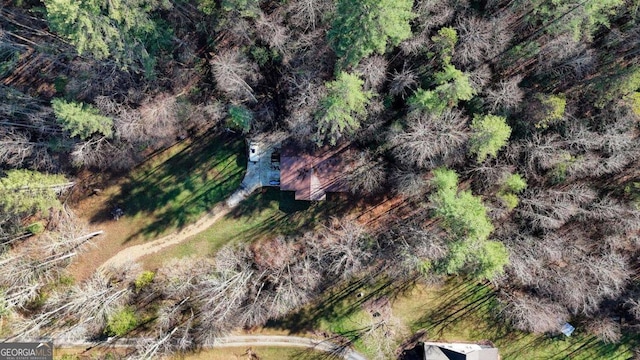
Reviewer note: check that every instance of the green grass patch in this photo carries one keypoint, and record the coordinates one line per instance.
(180, 185)
(267, 213)
(458, 311)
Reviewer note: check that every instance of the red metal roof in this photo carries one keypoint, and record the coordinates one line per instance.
(313, 175)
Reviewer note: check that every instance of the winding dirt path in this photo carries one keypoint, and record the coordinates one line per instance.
(133, 253)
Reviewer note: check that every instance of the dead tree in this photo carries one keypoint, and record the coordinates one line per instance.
(373, 70)
(533, 314)
(234, 73)
(506, 95)
(309, 14)
(403, 82)
(431, 140)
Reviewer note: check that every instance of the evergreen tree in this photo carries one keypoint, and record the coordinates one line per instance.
(453, 86)
(619, 84)
(513, 185)
(81, 120)
(445, 41)
(240, 118)
(122, 322)
(342, 108)
(465, 216)
(490, 260)
(633, 100)
(24, 192)
(490, 134)
(364, 27)
(103, 28)
(552, 107)
(580, 19)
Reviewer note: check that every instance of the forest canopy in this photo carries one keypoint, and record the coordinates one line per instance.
(492, 141)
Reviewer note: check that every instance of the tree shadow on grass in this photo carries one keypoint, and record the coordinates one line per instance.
(590, 347)
(181, 189)
(340, 303)
(474, 306)
(312, 354)
(460, 301)
(336, 304)
(291, 218)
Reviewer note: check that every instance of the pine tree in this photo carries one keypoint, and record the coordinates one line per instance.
(24, 192)
(465, 216)
(512, 185)
(364, 27)
(453, 86)
(579, 19)
(103, 28)
(490, 134)
(342, 108)
(81, 120)
(552, 107)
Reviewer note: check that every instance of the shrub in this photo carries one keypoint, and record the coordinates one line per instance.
(36, 228)
(122, 322)
(144, 279)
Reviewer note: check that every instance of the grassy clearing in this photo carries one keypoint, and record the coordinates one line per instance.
(265, 214)
(457, 311)
(179, 185)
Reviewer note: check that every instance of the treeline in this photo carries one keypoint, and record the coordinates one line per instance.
(511, 127)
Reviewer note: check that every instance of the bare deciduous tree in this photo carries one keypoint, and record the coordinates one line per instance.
(634, 307)
(431, 140)
(409, 183)
(403, 82)
(480, 77)
(308, 14)
(532, 314)
(474, 40)
(302, 104)
(367, 175)
(373, 70)
(506, 95)
(234, 73)
(605, 328)
(550, 209)
(159, 117)
(271, 31)
(382, 330)
(435, 13)
(104, 154)
(341, 249)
